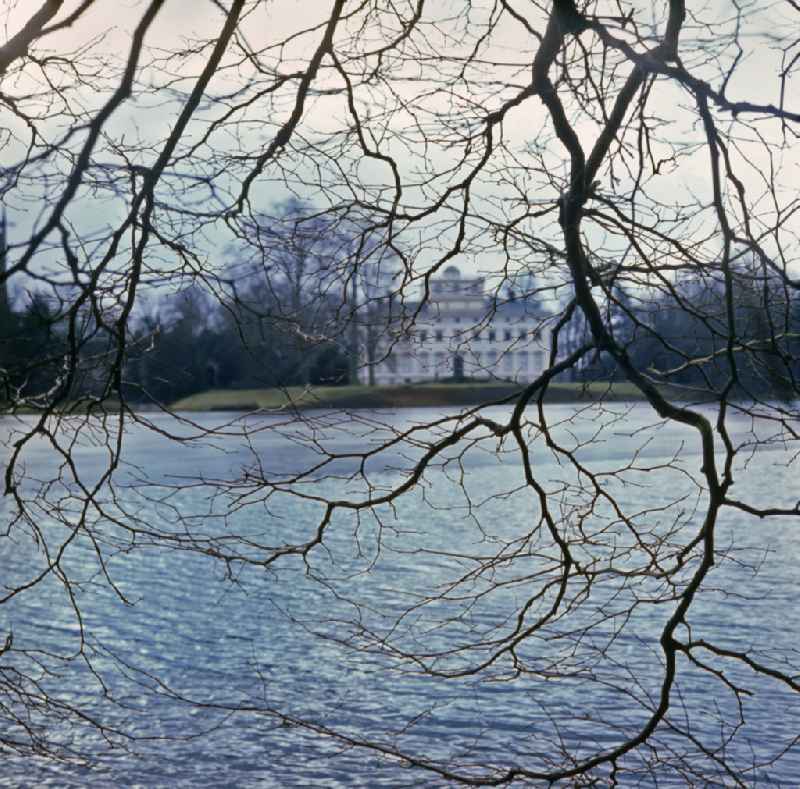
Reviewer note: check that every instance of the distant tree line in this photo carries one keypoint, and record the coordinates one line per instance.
(288, 313)
(193, 342)
(188, 343)
(679, 332)
(289, 308)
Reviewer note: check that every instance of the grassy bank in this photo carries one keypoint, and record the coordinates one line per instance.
(393, 396)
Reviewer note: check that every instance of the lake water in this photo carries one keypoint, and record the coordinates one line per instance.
(324, 640)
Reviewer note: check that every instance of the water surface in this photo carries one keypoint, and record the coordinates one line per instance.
(321, 639)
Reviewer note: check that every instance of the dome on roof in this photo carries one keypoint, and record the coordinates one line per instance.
(452, 272)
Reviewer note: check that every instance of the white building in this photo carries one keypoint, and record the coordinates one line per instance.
(461, 333)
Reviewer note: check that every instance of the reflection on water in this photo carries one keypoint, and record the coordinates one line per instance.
(264, 638)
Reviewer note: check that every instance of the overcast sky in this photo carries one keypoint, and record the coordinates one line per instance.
(179, 23)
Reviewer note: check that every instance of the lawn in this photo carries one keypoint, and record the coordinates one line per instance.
(405, 396)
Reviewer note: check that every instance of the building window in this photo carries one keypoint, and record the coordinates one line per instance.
(423, 336)
(439, 335)
(492, 335)
(522, 361)
(507, 335)
(522, 334)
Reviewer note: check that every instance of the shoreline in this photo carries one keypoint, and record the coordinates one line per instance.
(408, 396)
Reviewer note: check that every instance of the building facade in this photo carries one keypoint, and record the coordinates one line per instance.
(460, 333)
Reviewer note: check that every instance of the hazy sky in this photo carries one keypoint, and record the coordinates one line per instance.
(149, 118)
